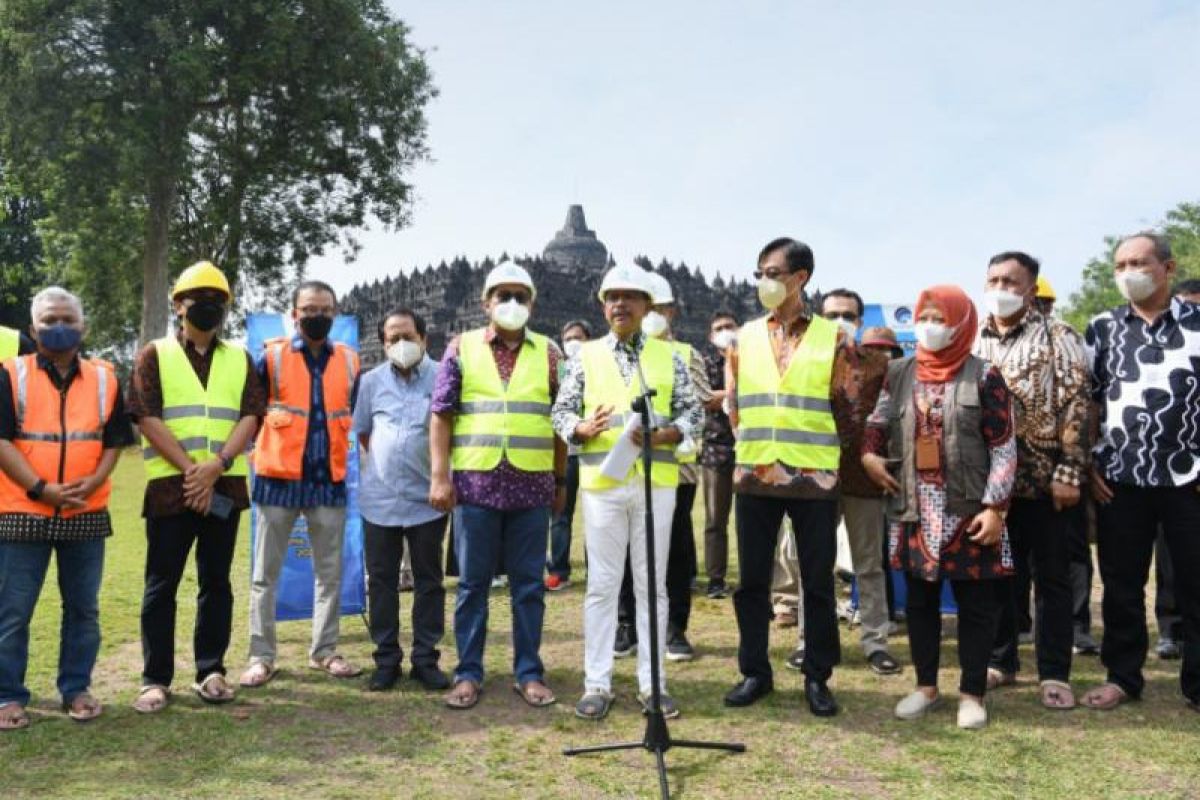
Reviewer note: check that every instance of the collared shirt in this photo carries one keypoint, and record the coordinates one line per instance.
(779, 479)
(1043, 364)
(717, 452)
(1146, 381)
(164, 496)
(686, 411)
(392, 411)
(316, 486)
(37, 528)
(505, 488)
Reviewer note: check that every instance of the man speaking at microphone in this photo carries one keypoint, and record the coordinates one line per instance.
(593, 405)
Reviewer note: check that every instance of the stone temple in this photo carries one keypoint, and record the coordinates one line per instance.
(567, 275)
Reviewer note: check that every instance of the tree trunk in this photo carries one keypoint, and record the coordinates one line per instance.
(155, 292)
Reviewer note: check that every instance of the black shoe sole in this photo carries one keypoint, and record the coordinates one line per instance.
(746, 704)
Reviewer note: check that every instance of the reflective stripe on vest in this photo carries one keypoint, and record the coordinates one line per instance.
(787, 418)
(10, 343)
(279, 450)
(604, 385)
(200, 418)
(495, 420)
(61, 438)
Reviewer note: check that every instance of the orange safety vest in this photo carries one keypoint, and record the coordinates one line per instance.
(279, 451)
(61, 435)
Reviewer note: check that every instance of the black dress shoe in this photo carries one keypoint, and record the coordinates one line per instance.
(383, 679)
(749, 691)
(820, 699)
(431, 677)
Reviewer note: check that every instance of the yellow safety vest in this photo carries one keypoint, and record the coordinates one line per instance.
(10, 343)
(496, 420)
(787, 418)
(200, 418)
(604, 385)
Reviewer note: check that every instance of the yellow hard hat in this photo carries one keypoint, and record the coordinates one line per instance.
(1044, 290)
(201, 275)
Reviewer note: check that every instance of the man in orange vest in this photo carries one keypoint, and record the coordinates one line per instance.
(62, 424)
(300, 468)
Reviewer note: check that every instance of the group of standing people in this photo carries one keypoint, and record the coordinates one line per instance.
(973, 456)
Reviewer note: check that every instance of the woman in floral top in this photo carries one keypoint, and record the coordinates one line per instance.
(941, 443)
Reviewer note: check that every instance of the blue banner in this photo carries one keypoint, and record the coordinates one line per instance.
(294, 597)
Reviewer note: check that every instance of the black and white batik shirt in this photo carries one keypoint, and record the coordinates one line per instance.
(1146, 380)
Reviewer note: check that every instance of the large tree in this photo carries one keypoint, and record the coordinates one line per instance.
(1099, 290)
(22, 270)
(254, 133)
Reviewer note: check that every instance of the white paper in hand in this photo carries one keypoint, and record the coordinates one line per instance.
(624, 454)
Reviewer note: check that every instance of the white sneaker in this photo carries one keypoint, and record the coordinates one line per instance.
(971, 714)
(915, 705)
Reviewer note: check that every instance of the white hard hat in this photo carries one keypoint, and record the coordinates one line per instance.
(624, 276)
(660, 289)
(508, 272)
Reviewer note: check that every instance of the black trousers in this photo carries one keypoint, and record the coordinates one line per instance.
(383, 548)
(1080, 554)
(1166, 614)
(168, 543)
(1040, 539)
(977, 608)
(1125, 542)
(681, 568)
(815, 524)
(718, 499)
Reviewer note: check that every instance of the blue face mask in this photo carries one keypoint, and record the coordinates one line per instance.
(59, 338)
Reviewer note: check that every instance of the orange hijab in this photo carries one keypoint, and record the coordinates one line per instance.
(959, 313)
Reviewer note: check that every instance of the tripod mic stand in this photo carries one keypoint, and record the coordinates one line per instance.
(657, 738)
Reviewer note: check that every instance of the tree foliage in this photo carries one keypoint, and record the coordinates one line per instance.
(22, 269)
(157, 132)
(1099, 290)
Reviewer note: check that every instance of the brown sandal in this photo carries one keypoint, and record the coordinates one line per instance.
(83, 708)
(461, 701)
(152, 698)
(337, 666)
(214, 690)
(13, 717)
(523, 691)
(258, 674)
(1105, 697)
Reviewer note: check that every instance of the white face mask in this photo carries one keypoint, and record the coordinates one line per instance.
(405, 354)
(510, 316)
(771, 293)
(723, 340)
(571, 347)
(654, 325)
(849, 328)
(1003, 304)
(933, 336)
(1135, 285)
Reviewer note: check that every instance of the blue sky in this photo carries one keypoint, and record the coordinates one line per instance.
(905, 142)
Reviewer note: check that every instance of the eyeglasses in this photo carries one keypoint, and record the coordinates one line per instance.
(773, 274)
(504, 295)
(849, 316)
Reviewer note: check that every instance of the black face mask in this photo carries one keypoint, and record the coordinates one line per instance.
(205, 315)
(316, 328)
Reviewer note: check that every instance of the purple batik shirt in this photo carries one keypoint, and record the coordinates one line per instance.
(504, 488)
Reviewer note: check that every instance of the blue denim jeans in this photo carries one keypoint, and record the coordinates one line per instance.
(520, 538)
(559, 562)
(22, 572)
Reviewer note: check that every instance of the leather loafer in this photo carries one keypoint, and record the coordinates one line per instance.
(820, 699)
(383, 679)
(431, 677)
(749, 691)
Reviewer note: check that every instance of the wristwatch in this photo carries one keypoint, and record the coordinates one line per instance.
(35, 492)
(226, 462)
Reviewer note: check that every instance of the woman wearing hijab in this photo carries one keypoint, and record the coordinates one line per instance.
(940, 442)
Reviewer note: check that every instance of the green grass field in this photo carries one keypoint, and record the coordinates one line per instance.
(309, 736)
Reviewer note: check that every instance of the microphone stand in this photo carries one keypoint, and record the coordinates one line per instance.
(657, 738)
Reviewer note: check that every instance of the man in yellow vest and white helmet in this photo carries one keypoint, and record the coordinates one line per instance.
(491, 426)
(681, 565)
(592, 410)
(198, 400)
(787, 379)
